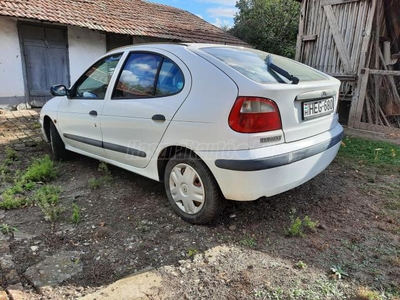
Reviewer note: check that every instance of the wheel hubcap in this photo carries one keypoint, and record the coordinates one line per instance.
(186, 188)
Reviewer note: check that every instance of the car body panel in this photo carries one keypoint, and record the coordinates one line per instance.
(129, 122)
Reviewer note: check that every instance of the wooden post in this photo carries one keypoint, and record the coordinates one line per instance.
(353, 120)
(299, 44)
(376, 77)
(363, 93)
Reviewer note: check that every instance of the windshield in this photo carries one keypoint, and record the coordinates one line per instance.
(252, 64)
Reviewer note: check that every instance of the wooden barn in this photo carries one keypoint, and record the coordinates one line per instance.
(358, 42)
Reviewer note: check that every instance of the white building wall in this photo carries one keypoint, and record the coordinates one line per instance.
(85, 47)
(12, 88)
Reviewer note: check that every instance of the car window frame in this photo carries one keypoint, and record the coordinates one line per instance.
(163, 57)
(73, 88)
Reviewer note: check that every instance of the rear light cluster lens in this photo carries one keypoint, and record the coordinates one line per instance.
(253, 114)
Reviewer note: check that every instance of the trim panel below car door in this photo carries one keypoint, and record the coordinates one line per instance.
(105, 145)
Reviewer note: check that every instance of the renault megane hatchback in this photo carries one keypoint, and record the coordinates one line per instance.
(213, 122)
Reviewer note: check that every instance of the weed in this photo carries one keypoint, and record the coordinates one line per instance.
(29, 186)
(11, 201)
(338, 272)
(51, 212)
(297, 226)
(7, 229)
(259, 294)
(94, 183)
(103, 168)
(300, 265)
(36, 125)
(42, 169)
(248, 241)
(5, 173)
(76, 217)
(47, 194)
(47, 198)
(192, 252)
(11, 154)
(312, 225)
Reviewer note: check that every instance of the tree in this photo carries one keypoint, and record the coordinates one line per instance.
(268, 25)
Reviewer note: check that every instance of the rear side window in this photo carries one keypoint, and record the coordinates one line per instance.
(252, 64)
(148, 75)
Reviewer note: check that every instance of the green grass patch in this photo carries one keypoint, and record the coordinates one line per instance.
(15, 196)
(42, 169)
(370, 153)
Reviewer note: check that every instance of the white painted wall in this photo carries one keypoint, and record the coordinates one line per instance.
(11, 75)
(85, 47)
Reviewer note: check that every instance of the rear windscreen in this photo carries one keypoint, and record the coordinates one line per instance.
(253, 64)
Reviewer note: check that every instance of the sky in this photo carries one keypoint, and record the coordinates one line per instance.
(217, 12)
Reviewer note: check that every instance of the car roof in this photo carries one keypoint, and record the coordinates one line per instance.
(171, 46)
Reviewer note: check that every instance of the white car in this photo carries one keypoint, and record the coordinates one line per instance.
(213, 122)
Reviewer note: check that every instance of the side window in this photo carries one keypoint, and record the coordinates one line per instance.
(148, 75)
(170, 80)
(94, 83)
(138, 76)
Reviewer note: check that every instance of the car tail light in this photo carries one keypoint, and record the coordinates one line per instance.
(253, 114)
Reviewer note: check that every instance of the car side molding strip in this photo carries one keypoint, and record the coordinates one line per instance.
(105, 145)
(84, 140)
(279, 160)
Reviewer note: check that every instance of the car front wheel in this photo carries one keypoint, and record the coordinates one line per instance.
(57, 144)
(192, 189)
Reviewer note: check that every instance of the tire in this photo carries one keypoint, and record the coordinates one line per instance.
(57, 145)
(192, 189)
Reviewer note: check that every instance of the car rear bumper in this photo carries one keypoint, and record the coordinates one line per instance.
(251, 174)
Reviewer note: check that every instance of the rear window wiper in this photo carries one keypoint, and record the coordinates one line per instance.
(280, 71)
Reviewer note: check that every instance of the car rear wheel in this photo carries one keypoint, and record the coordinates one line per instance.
(192, 190)
(57, 145)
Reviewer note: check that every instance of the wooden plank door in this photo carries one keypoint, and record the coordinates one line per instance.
(45, 50)
(331, 35)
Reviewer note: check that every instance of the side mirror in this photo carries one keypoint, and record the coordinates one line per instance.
(58, 90)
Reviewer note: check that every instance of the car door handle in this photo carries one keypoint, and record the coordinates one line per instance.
(93, 113)
(158, 118)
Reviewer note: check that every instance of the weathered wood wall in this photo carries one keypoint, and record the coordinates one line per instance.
(344, 38)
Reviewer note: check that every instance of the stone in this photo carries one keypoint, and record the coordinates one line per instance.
(6, 262)
(4, 237)
(4, 247)
(23, 106)
(139, 286)
(232, 227)
(54, 269)
(8, 107)
(17, 294)
(3, 295)
(19, 235)
(12, 277)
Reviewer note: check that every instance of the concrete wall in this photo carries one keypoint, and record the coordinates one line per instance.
(85, 47)
(12, 89)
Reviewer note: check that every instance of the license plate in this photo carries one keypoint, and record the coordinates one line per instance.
(317, 108)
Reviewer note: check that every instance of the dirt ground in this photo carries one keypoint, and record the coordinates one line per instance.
(127, 225)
